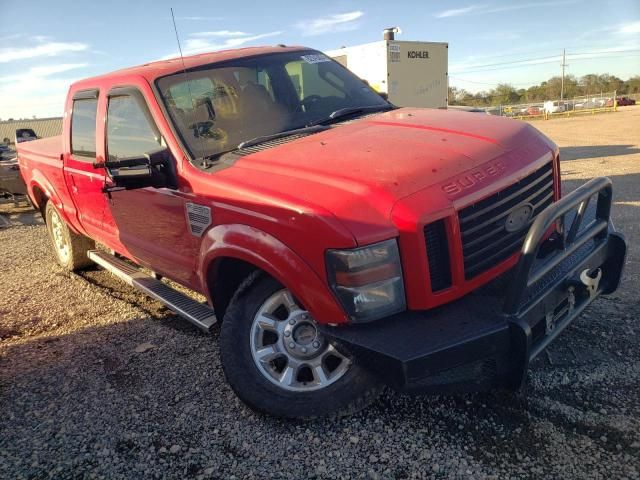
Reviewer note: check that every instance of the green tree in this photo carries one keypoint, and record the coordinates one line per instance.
(632, 85)
(504, 94)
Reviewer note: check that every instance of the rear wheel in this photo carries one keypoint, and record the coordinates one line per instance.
(278, 362)
(70, 248)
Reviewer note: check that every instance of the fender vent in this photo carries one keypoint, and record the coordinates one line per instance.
(269, 144)
(198, 218)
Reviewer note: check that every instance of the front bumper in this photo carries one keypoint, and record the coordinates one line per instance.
(488, 338)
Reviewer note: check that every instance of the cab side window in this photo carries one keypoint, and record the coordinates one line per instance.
(131, 131)
(83, 127)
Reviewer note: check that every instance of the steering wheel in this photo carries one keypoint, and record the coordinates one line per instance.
(309, 101)
(201, 129)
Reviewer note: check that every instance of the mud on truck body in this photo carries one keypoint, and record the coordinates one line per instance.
(342, 243)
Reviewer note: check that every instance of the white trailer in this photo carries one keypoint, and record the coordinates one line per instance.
(412, 74)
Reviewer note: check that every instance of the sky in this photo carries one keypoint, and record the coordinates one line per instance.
(46, 45)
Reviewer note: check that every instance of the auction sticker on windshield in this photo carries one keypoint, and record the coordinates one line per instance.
(315, 58)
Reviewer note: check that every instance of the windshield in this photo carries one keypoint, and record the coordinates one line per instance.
(216, 107)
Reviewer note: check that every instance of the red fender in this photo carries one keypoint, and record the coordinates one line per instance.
(40, 181)
(274, 257)
(66, 208)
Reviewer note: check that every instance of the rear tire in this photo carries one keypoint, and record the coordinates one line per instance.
(307, 378)
(69, 247)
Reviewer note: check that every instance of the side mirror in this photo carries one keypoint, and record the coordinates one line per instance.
(153, 169)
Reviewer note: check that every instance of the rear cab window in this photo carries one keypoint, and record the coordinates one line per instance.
(83, 126)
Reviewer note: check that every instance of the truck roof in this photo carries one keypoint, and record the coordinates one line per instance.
(153, 70)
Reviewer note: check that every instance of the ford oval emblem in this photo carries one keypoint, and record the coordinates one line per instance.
(519, 218)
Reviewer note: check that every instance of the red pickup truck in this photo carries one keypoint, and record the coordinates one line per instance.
(343, 243)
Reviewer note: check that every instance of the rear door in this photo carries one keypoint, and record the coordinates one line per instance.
(85, 182)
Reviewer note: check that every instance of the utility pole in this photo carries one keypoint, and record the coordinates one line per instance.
(563, 64)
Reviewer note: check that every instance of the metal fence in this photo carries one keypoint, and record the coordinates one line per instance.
(587, 104)
(44, 127)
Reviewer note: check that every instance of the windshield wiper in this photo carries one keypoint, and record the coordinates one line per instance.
(207, 161)
(265, 138)
(345, 112)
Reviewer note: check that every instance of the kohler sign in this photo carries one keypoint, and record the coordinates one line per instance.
(418, 54)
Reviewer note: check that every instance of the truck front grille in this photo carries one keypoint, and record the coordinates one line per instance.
(435, 238)
(485, 241)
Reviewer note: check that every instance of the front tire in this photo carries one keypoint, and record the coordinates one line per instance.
(278, 363)
(70, 248)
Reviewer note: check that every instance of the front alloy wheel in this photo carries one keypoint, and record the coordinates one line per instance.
(278, 362)
(289, 350)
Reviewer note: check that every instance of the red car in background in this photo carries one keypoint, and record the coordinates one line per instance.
(625, 101)
(534, 111)
(622, 102)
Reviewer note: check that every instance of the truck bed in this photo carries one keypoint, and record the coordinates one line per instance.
(45, 148)
(41, 164)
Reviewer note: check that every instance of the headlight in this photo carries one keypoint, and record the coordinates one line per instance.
(368, 280)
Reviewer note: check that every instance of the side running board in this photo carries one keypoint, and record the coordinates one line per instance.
(197, 313)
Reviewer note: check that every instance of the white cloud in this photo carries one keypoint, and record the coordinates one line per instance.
(200, 44)
(629, 28)
(38, 91)
(619, 30)
(340, 22)
(220, 33)
(41, 72)
(456, 12)
(521, 6)
(484, 9)
(47, 49)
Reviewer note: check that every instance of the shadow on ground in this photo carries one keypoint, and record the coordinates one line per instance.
(20, 215)
(596, 151)
(91, 402)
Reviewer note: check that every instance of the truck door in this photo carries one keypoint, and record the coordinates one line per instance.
(84, 181)
(151, 222)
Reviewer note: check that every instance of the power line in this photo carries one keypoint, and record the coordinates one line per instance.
(512, 62)
(607, 57)
(540, 60)
(484, 83)
(526, 84)
(575, 48)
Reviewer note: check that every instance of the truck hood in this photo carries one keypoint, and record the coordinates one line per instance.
(359, 170)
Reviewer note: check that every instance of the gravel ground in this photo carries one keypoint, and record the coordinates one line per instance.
(98, 381)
